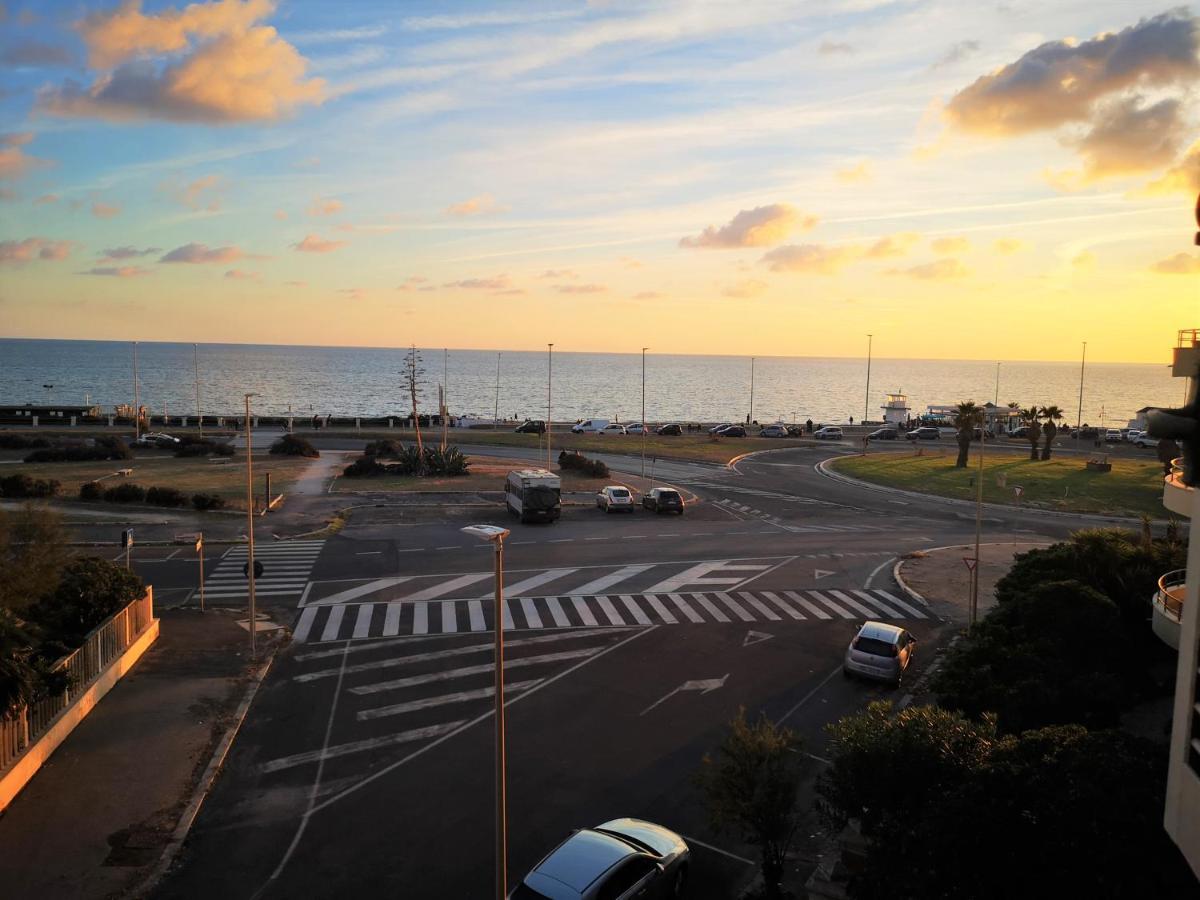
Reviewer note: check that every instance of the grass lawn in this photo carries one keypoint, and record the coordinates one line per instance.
(486, 474)
(191, 475)
(685, 446)
(1130, 489)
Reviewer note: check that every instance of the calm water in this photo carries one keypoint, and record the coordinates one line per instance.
(364, 381)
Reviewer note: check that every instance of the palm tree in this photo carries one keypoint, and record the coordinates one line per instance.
(1051, 414)
(967, 417)
(1029, 418)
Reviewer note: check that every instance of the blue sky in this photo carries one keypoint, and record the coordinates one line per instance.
(507, 174)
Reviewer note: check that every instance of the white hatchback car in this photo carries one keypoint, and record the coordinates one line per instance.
(879, 651)
(615, 498)
(612, 428)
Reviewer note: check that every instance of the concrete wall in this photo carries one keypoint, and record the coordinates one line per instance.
(38, 752)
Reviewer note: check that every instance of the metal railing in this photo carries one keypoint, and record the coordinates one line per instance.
(1188, 337)
(1171, 588)
(105, 643)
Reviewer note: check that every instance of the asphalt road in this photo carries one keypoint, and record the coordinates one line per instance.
(365, 765)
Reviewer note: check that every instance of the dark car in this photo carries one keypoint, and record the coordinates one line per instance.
(661, 500)
(531, 426)
(716, 428)
(883, 434)
(925, 433)
(732, 431)
(795, 430)
(670, 430)
(1022, 432)
(621, 858)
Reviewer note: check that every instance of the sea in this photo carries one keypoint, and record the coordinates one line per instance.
(362, 381)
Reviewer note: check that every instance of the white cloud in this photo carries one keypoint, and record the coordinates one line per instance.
(758, 227)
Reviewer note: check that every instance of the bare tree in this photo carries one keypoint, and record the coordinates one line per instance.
(413, 373)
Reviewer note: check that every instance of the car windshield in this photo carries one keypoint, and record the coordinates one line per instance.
(541, 497)
(525, 892)
(668, 495)
(619, 492)
(874, 646)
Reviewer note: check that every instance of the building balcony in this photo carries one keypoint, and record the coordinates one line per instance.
(1168, 607)
(1177, 496)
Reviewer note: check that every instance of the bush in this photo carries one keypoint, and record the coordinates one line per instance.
(91, 490)
(24, 486)
(11, 441)
(125, 493)
(100, 448)
(190, 445)
(575, 461)
(204, 502)
(385, 449)
(364, 467)
(91, 590)
(166, 496)
(294, 445)
(448, 463)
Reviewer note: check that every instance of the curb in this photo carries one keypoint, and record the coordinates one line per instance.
(822, 469)
(904, 586)
(204, 786)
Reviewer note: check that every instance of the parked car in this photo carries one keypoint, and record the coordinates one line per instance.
(624, 858)
(732, 431)
(671, 429)
(1113, 436)
(156, 439)
(717, 428)
(879, 651)
(924, 433)
(1145, 441)
(637, 428)
(1133, 434)
(590, 426)
(828, 433)
(1086, 433)
(1021, 433)
(531, 426)
(615, 498)
(795, 430)
(661, 500)
(883, 434)
(773, 431)
(612, 428)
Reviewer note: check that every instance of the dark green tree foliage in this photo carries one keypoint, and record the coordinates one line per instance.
(32, 555)
(576, 461)
(24, 674)
(751, 786)
(952, 811)
(91, 589)
(22, 485)
(1050, 656)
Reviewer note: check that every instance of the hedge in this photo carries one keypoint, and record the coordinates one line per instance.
(294, 445)
(570, 459)
(100, 448)
(24, 486)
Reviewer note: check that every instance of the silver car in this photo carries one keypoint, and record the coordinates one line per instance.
(619, 860)
(879, 651)
(615, 498)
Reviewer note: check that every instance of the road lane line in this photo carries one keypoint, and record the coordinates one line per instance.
(663, 613)
(871, 578)
(767, 570)
(468, 671)
(399, 709)
(609, 610)
(449, 619)
(769, 613)
(774, 598)
(734, 607)
(532, 619)
(404, 737)
(391, 620)
(362, 625)
(810, 606)
(475, 611)
(912, 610)
(300, 635)
(333, 624)
(585, 613)
(599, 585)
(636, 611)
(692, 615)
(711, 607)
(741, 859)
(807, 697)
(420, 617)
(557, 613)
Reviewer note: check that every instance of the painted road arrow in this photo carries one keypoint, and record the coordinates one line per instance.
(704, 686)
(818, 574)
(755, 637)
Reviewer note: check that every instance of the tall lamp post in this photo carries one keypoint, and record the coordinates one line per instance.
(250, 527)
(1079, 412)
(496, 535)
(644, 349)
(750, 418)
(496, 413)
(996, 399)
(196, 365)
(137, 414)
(867, 401)
(549, 384)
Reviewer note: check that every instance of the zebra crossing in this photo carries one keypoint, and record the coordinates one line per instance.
(360, 621)
(286, 567)
(808, 528)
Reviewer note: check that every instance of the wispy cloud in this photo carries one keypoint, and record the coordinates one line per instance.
(950, 246)
(938, 270)
(206, 192)
(201, 253)
(835, 48)
(475, 206)
(1179, 264)
(495, 283)
(893, 245)
(103, 210)
(1009, 246)
(29, 249)
(745, 290)
(325, 206)
(241, 275)
(313, 243)
(486, 19)
(15, 163)
(580, 288)
(812, 259)
(856, 174)
(115, 254)
(758, 227)
(118, 271)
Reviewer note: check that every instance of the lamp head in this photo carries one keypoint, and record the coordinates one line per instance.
(492, 533)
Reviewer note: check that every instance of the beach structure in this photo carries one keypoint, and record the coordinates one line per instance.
(895, 410)
(35, 413)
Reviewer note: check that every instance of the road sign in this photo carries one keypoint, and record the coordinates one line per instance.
(127, 538)
(199, 542)
(258, 568)
(1018, 491)
(970, 562)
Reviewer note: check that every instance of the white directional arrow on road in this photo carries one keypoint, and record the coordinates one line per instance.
(818, 574)
(755, 637)
(704, 686)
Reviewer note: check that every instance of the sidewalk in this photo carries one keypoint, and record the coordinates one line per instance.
(93, 822)
(942, 578)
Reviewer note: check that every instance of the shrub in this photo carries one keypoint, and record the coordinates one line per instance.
(364, 467)
(166, 496)
(207, 501)
(125, 493)
(91, 490)
(190, 445)
(24, 486)
(91, 590)
(449, 462)
(294, 445)
(100, 448)
(576, 461)
(385, 449)
(11, 441)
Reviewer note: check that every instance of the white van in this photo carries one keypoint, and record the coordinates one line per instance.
(590, 426)
(533, 495)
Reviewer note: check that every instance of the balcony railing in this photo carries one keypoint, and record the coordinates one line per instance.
(1171, 588)
(1188, 337)
(106, 642)
(1177, 496)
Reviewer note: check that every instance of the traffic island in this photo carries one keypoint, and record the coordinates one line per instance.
(940, 577)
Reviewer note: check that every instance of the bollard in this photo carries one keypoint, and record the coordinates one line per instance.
(110, 418)
(72, 421)
(390, 423)
(35, 421)
(356, 423)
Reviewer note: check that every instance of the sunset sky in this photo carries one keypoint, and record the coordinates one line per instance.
(995, 181)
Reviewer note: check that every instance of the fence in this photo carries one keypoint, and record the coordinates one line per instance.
(104, 644)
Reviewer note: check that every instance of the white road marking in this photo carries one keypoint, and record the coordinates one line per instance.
(818, 574)
(852, 603)
(876, 571)
(663, 613)
(837, 609)
(420, 617)
(788, 609)
(704, 686)
(557, 613)
(363, 589)
(765, 610)
(634, 610)
(609, 610)
(391, 620)
(333, 624)
(585, 613)
(304, 625)
(467, 671)
(399, 709)
(449, 619)
(475, 610)
(710, 606)
(447, 587)
(912, 610)
(807, 697)
(362, 625)
(734, 606)
(391, 740)
(741, 859)
(532, 618)
(604, 582)
(528, 584)
(692, 615)
(875, 601)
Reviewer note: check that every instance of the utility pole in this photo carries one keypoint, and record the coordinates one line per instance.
(137, 414)
(445, 393)
(867, 402)
(250, 526)
(496, 414)
(974, 606)
(196, 365)
(549, 383)
(996, 399)
(644, 349)
(1079, 413)
(750, 418)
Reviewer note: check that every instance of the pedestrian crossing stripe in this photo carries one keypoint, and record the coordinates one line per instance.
(286, 567)
(359, 621)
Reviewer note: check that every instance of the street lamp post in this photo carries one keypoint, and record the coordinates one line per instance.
(549, 384)
(1079, 413)
(644, 349)
(196, 366)
(750, 418)
(250, 527)
(137, 417)
(973, 611)
(867, 401)
(496, 413)
(496, 535)
(996, 399)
